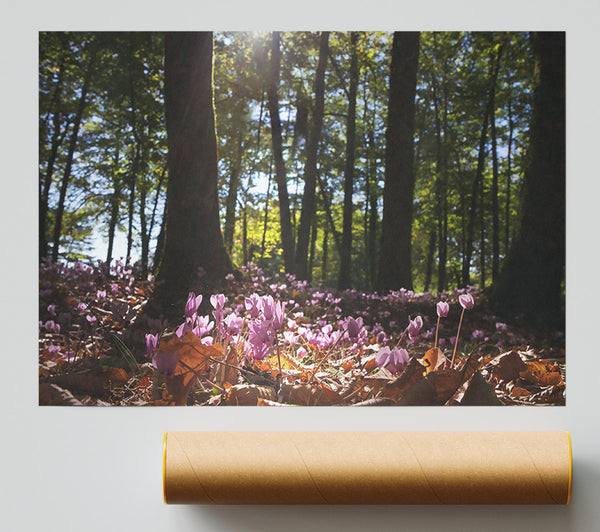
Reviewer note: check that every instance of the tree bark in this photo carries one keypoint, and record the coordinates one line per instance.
(494, 193)
(395, 255)
(477, 182)
(71, 152)
(115, 202)
(310, 170)
(511, 126)
(287, 238)
(57, 138)
(232, 193)
(530, 284)
(344, 280)
(194, 255)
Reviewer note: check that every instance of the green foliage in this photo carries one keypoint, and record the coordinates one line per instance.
(120, 161)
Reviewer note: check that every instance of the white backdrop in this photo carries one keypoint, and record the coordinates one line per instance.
(88, 469)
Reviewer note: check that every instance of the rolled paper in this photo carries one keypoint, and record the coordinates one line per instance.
(367, 467)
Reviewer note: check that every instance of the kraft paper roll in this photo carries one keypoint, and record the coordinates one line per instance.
(367, 467)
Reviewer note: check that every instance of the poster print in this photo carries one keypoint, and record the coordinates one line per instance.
(302, 218)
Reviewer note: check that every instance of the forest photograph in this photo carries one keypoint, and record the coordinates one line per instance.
(333, 218)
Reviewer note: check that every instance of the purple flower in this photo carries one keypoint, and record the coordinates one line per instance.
(193, 302)
(442, 309)
(414, 327)
(204, 325)
(52, 327)
(218, 302)
(477, 333)
(52, 310)
(277, 316)
(260, 339)
(234, 324)
(253, 305)
(268, 307)
(466, 301)
(393, 360)
(166, 362)
(354, 328)
(54, 349)
(501, 326)
(151, 341)
(101, 294)
(114, 288)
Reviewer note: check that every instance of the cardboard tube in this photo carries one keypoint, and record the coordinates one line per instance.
(367, 467)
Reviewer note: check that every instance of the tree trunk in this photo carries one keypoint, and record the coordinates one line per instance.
(395, 255)
(56, 141)
(313, 246)
(310, 170)
(115, 202)
(494, 192)
(531, 281)
(266, 218)
(346, 251)
(477, 182)
(231, 202)
(71, 152)
(145, 236)
(329, 214)
(131, 209)
(153, 216)
(194, 254)
(325, 255)
(429, 261)
(287, 239)
(511, 126)
(160, 242)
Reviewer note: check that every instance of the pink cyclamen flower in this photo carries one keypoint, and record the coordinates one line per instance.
(193, 302)
(252, 304)
(166, 362)
(354, 327)
(393, 360)
(414, 327)
(466, 301)
(234, 324)
(151, 341)
(442, 309)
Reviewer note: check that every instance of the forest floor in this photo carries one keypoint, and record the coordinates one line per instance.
(283, 342)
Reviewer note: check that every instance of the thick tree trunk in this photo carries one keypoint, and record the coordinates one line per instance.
(71, 152)
(395, 255)
(530, 284)
(344, 280)
(287, 238)
(194, 254)
(310, 170)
